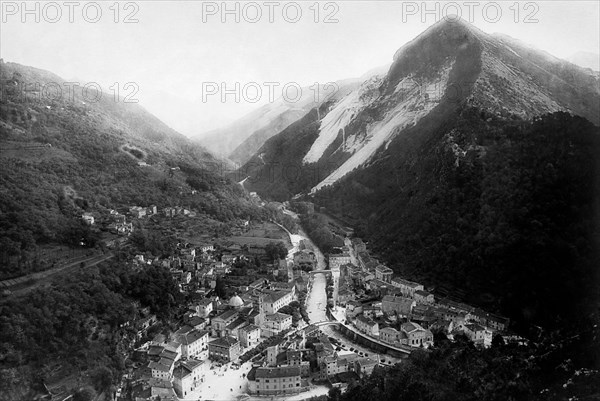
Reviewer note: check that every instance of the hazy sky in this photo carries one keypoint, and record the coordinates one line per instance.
(178, 48)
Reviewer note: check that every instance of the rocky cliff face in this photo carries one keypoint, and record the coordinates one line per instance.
(450, 66)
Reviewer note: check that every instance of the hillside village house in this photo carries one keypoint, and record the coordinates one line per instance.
(188, 253)
(187, 376)
(457, 317)
(162, 369)
(477, 333)
(193, 342)
(224, 349)
(144, 324)
(152, 388)
(407, 288)
(336, 364)
(344, 295)
(487, 319)
(367, 325)
(365, 366)
(219, 323)
(137, 211)
(497, 322)
(207, 248)
(416, 335)
(228, 258)
(294, 358)
(204, 307)
(272, 354)
(169, 212)
(372, 310)
(353, 308)
(304, 258)
(88, 218)
(336, 261)
(424, 315)
(424, 297)
(174, 348)
(274, 301)
(384, 273)
(234, 327)
(198, 322)
(403, 306)
(283, 286)
(275, 380)
(257, 284)
(392, 336)
(364, 278)
(249, 335)
(276, 323)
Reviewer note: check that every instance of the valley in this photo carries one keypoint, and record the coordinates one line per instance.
(428, 230)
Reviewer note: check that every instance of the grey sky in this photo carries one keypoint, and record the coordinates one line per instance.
(170, 52)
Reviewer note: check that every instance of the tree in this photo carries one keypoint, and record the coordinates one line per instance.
(220, 288)
(334, 394)
(102, 378)
(497, 341)
(84, 394)
(276, 250)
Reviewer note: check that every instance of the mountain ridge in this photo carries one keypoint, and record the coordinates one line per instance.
(488, 72)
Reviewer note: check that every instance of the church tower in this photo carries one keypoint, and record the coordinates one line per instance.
(261, 311)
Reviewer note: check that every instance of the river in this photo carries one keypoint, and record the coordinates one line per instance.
(316, 301)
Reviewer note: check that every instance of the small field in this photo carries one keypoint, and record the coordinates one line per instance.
(33, 152)
(261, 234)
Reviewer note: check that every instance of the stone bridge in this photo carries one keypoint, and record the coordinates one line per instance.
(327, 323)
(320, 271)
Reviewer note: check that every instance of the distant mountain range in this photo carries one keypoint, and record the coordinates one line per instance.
(469, 165)
(240, 140)
(449, 66)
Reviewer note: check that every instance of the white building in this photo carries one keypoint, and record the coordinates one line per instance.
(338, 260)
(249, 335)
(187, 376)
(193, 342)
(274, 301)
(407, 288)
(88, 218)
(276, 323)
(162, 369)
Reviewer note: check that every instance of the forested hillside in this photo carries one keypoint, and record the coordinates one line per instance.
(458, 371)
(79, 325)
(277, 170)
(507, 213)
(64, 155)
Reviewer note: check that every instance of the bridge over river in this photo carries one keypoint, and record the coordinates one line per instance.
(316, 307)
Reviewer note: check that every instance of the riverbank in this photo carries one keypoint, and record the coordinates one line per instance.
(316, 303)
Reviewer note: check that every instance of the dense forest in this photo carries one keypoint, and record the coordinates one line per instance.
(319, 231)
(505, 214)
(81, 322)
(458, 371)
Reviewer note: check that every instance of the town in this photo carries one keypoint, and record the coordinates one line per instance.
(258, 325)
